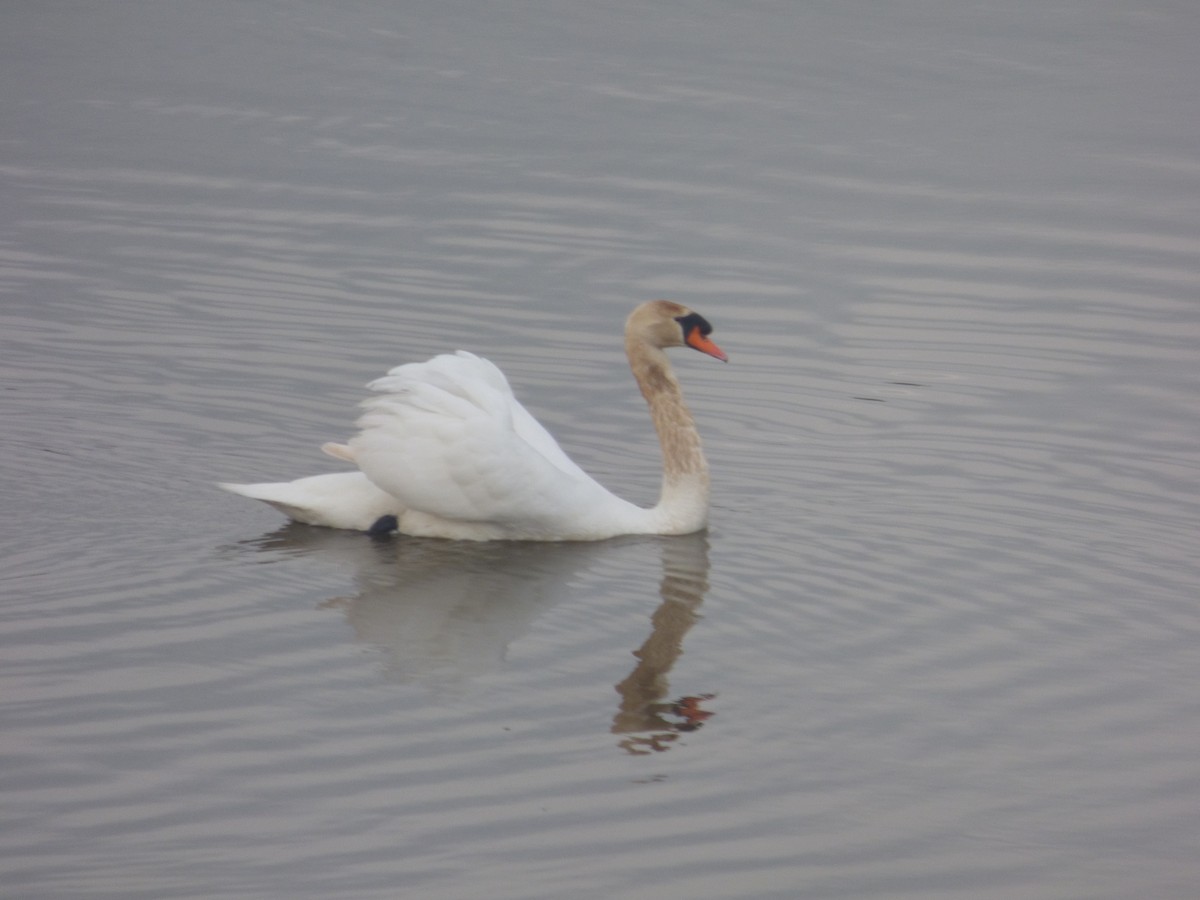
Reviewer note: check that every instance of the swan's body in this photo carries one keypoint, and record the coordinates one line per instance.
(447, 451)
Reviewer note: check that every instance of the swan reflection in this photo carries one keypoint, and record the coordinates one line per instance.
(650, 723)
(445, 612)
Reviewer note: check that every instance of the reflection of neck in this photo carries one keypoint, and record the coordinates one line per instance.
(684, 584)
(685, 483)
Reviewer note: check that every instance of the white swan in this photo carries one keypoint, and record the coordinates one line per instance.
(447, 451)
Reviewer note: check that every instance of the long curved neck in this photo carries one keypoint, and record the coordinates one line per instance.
(685, 470)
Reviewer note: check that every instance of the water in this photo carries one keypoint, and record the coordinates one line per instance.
(940, 639)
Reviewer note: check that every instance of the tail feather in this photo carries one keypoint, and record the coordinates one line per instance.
(338, 451)
(337, 500)
(276, 495)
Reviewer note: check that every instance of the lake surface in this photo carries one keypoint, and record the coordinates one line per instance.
(941, 639)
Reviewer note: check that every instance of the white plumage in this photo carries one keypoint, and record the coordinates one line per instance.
(448, 451)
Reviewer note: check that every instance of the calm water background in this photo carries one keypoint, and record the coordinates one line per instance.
(946, 616)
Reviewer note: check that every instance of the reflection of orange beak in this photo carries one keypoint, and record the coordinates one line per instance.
(697, 341)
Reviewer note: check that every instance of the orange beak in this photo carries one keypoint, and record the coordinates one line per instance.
(697, 341)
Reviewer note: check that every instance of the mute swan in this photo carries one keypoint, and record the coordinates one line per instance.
(447, 451)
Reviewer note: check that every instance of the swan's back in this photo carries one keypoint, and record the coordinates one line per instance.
(480, 382)
(449, 440)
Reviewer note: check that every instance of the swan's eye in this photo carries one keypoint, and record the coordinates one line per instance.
(691, 322)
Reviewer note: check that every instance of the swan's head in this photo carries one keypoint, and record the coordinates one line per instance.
(663, 323)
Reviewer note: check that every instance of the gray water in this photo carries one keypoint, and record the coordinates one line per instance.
(941, 638)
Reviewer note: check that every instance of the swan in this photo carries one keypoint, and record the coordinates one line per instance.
(447, 451)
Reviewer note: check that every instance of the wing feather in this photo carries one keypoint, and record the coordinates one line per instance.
(447, 437)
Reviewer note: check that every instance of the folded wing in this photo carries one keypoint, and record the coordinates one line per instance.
(448, 438)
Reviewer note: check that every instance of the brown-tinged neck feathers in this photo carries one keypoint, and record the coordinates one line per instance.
(681, 449)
